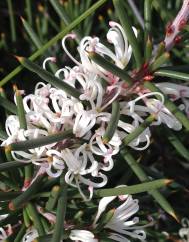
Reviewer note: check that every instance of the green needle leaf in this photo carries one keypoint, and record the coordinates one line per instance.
(34, 37)
(27, 195)
(134, 189)
(8, 105)
(112, 125)
(49, 77)
(23, 125)
(143, 177)
(20, 108)
(136, 132)
(12, 20)
(148, 49)
(53, 198)
(6, 196)
(10, 165)
(20, 233)
(177, 144)
(34, 215)
(29, 11)
(34, 143)
(110, 67)
(160, 61)
(61, 212)
(147, 29)
(60, 10)
(26, 218)
(172, 74)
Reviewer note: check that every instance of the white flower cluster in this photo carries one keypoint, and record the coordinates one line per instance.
(50, 110)
(120, 227)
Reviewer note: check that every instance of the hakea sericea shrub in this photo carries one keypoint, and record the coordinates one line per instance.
(74, 124)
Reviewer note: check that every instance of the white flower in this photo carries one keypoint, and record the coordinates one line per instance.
(82, 236)
(30, 235)
(124, 128)
(175, 92)
(140, 112)
(5, 233)
(32, 154)
(118, 38)
(52, 59)
(56, 163)
(121, 223)
(84, 122)
(108, 150)
(115, 36)
(81, 163)
(184, 231)
(156, 107)
(12, 125)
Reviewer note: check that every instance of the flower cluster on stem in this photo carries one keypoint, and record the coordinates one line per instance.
(85, 154)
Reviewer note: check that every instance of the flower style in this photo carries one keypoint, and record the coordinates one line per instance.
(82, 236)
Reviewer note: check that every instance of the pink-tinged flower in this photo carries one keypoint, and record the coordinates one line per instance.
(120, 56)
(6, 231)
(3, 234)
(49, 216)
(176, 92)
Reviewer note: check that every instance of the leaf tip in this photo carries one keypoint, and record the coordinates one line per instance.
(22, 19)
(167, 55)
(175, 217)
(168, 181)
(7, 148)
(19, 58)
(11, 206)
(15, 88)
